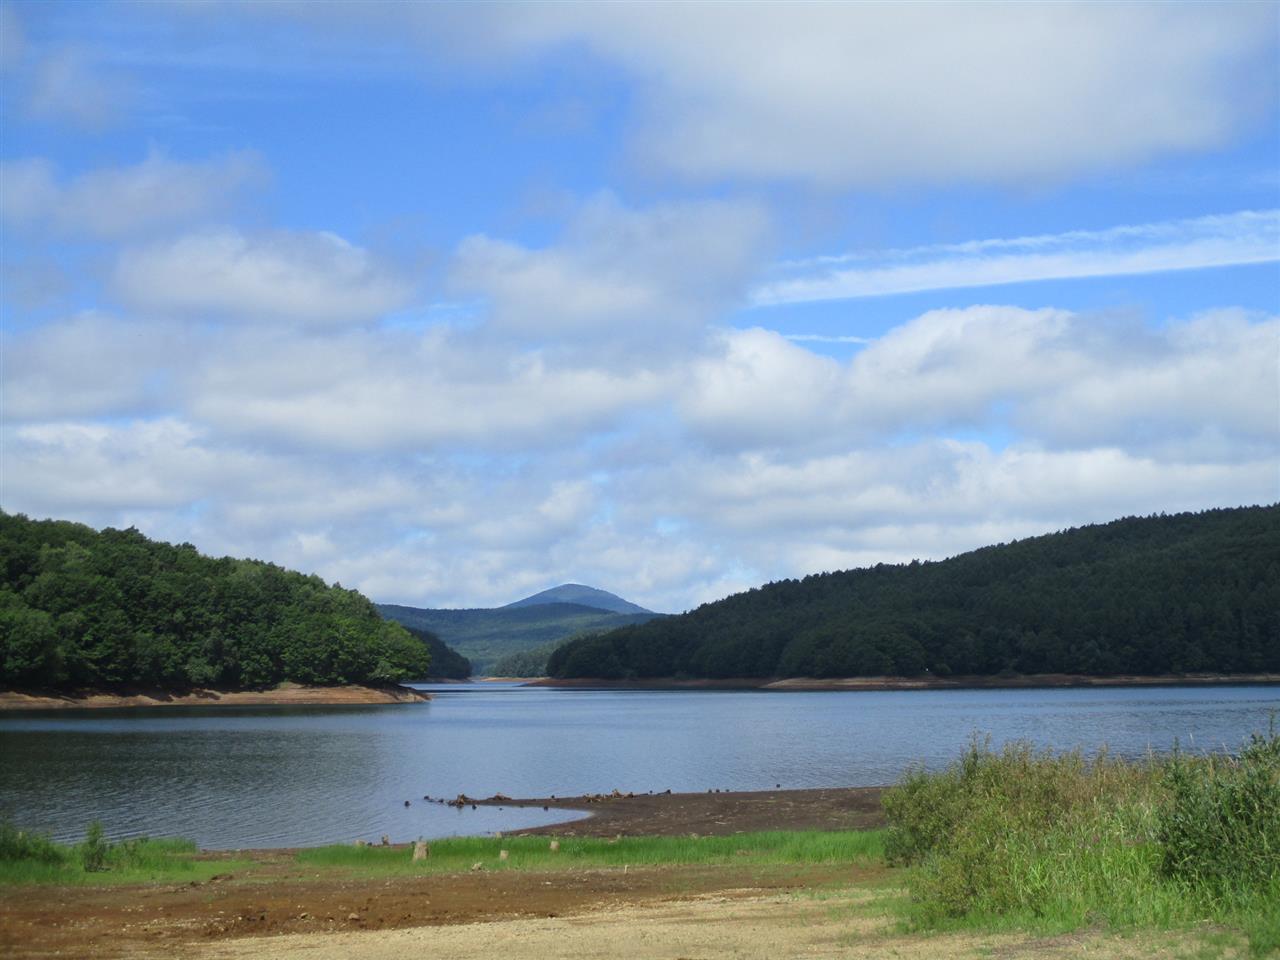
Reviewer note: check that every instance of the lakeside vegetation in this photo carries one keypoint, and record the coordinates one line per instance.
(32, 858)
(534, 853)
(1000, 841)
(82, 608)
(1017, 839)
(1143, 595)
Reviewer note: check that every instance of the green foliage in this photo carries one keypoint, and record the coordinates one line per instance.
(32, 858)
(534, 853)
(19, 845)
(526, 663)
(101, 609)
(446, 663)
(486, 635)
(1220, 829)
(95, 849)
(1016, 838)
(1142, 595)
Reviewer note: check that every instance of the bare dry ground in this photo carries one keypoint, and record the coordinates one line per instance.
(670, 913)
(287, 694)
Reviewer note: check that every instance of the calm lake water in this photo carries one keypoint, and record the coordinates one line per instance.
(231, 777)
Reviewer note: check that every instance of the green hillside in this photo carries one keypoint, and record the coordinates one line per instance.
(446, 662)
(583, 595)
(485, 635)
(1143, 595)
(80, 607)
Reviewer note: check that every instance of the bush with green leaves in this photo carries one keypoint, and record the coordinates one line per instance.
(22, 845)
(1220, 829)
(1017, 836)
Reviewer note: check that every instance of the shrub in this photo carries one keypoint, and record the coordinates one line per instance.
(18, 844)
(1017, 837)
(1220, 829)
(95, 850)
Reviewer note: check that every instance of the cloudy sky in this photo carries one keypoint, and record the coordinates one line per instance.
(452, 303)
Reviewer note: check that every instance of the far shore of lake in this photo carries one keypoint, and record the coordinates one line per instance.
(286, 694)
(1002, 681)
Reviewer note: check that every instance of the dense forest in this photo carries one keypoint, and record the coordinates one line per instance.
(529, 663)
(487, 634)
(446, 662)
(1151, 595)
(83, 608)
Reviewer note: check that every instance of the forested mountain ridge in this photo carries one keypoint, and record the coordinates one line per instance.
(580, 594)
(1141, 595)
(487, 634)
(82, 608)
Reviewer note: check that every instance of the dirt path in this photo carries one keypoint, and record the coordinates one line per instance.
(741, 925)
(281, 898)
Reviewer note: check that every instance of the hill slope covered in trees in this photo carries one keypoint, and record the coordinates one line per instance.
(1143, 595)
(584, 595)
(112, 608)
(487, 634)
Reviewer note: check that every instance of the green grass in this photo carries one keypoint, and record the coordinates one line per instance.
(534, 853)
(29, 858)
(1023, 840)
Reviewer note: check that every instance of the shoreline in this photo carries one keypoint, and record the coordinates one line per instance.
(863, 684)
(708, 814)
(286, 694)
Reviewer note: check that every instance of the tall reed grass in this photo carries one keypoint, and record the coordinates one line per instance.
(1018, 836)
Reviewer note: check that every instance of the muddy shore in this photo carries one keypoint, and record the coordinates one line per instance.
(714, 813)
(267, 893)
(1016, 682)
(287, 694)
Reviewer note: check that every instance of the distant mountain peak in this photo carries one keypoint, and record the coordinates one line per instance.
(584, 596)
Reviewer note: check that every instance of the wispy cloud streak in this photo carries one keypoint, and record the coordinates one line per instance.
(824, 338)
(1235, 239)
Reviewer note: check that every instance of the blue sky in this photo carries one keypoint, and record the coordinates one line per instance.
(455, 302)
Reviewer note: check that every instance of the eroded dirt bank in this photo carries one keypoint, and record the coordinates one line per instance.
(287, 694)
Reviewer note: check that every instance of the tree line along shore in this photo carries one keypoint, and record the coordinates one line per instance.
(1160, 596)
(1188, 598)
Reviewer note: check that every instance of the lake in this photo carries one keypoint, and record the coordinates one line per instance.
(242, 777)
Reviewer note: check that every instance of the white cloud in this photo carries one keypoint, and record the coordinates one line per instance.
(119, 201)
(67, 86)
(849, 94)
(89, 365)
(441, 468)
(388, 390)
(311, 279)
(639, 278)
(1215, 241)
(1062, 378)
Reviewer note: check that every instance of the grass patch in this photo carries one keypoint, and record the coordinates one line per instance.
(1019, 839)
(534, 853)
(32, 858)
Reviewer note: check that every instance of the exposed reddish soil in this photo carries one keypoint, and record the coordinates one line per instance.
(281, 898)
(287, 694)
(277, 895)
